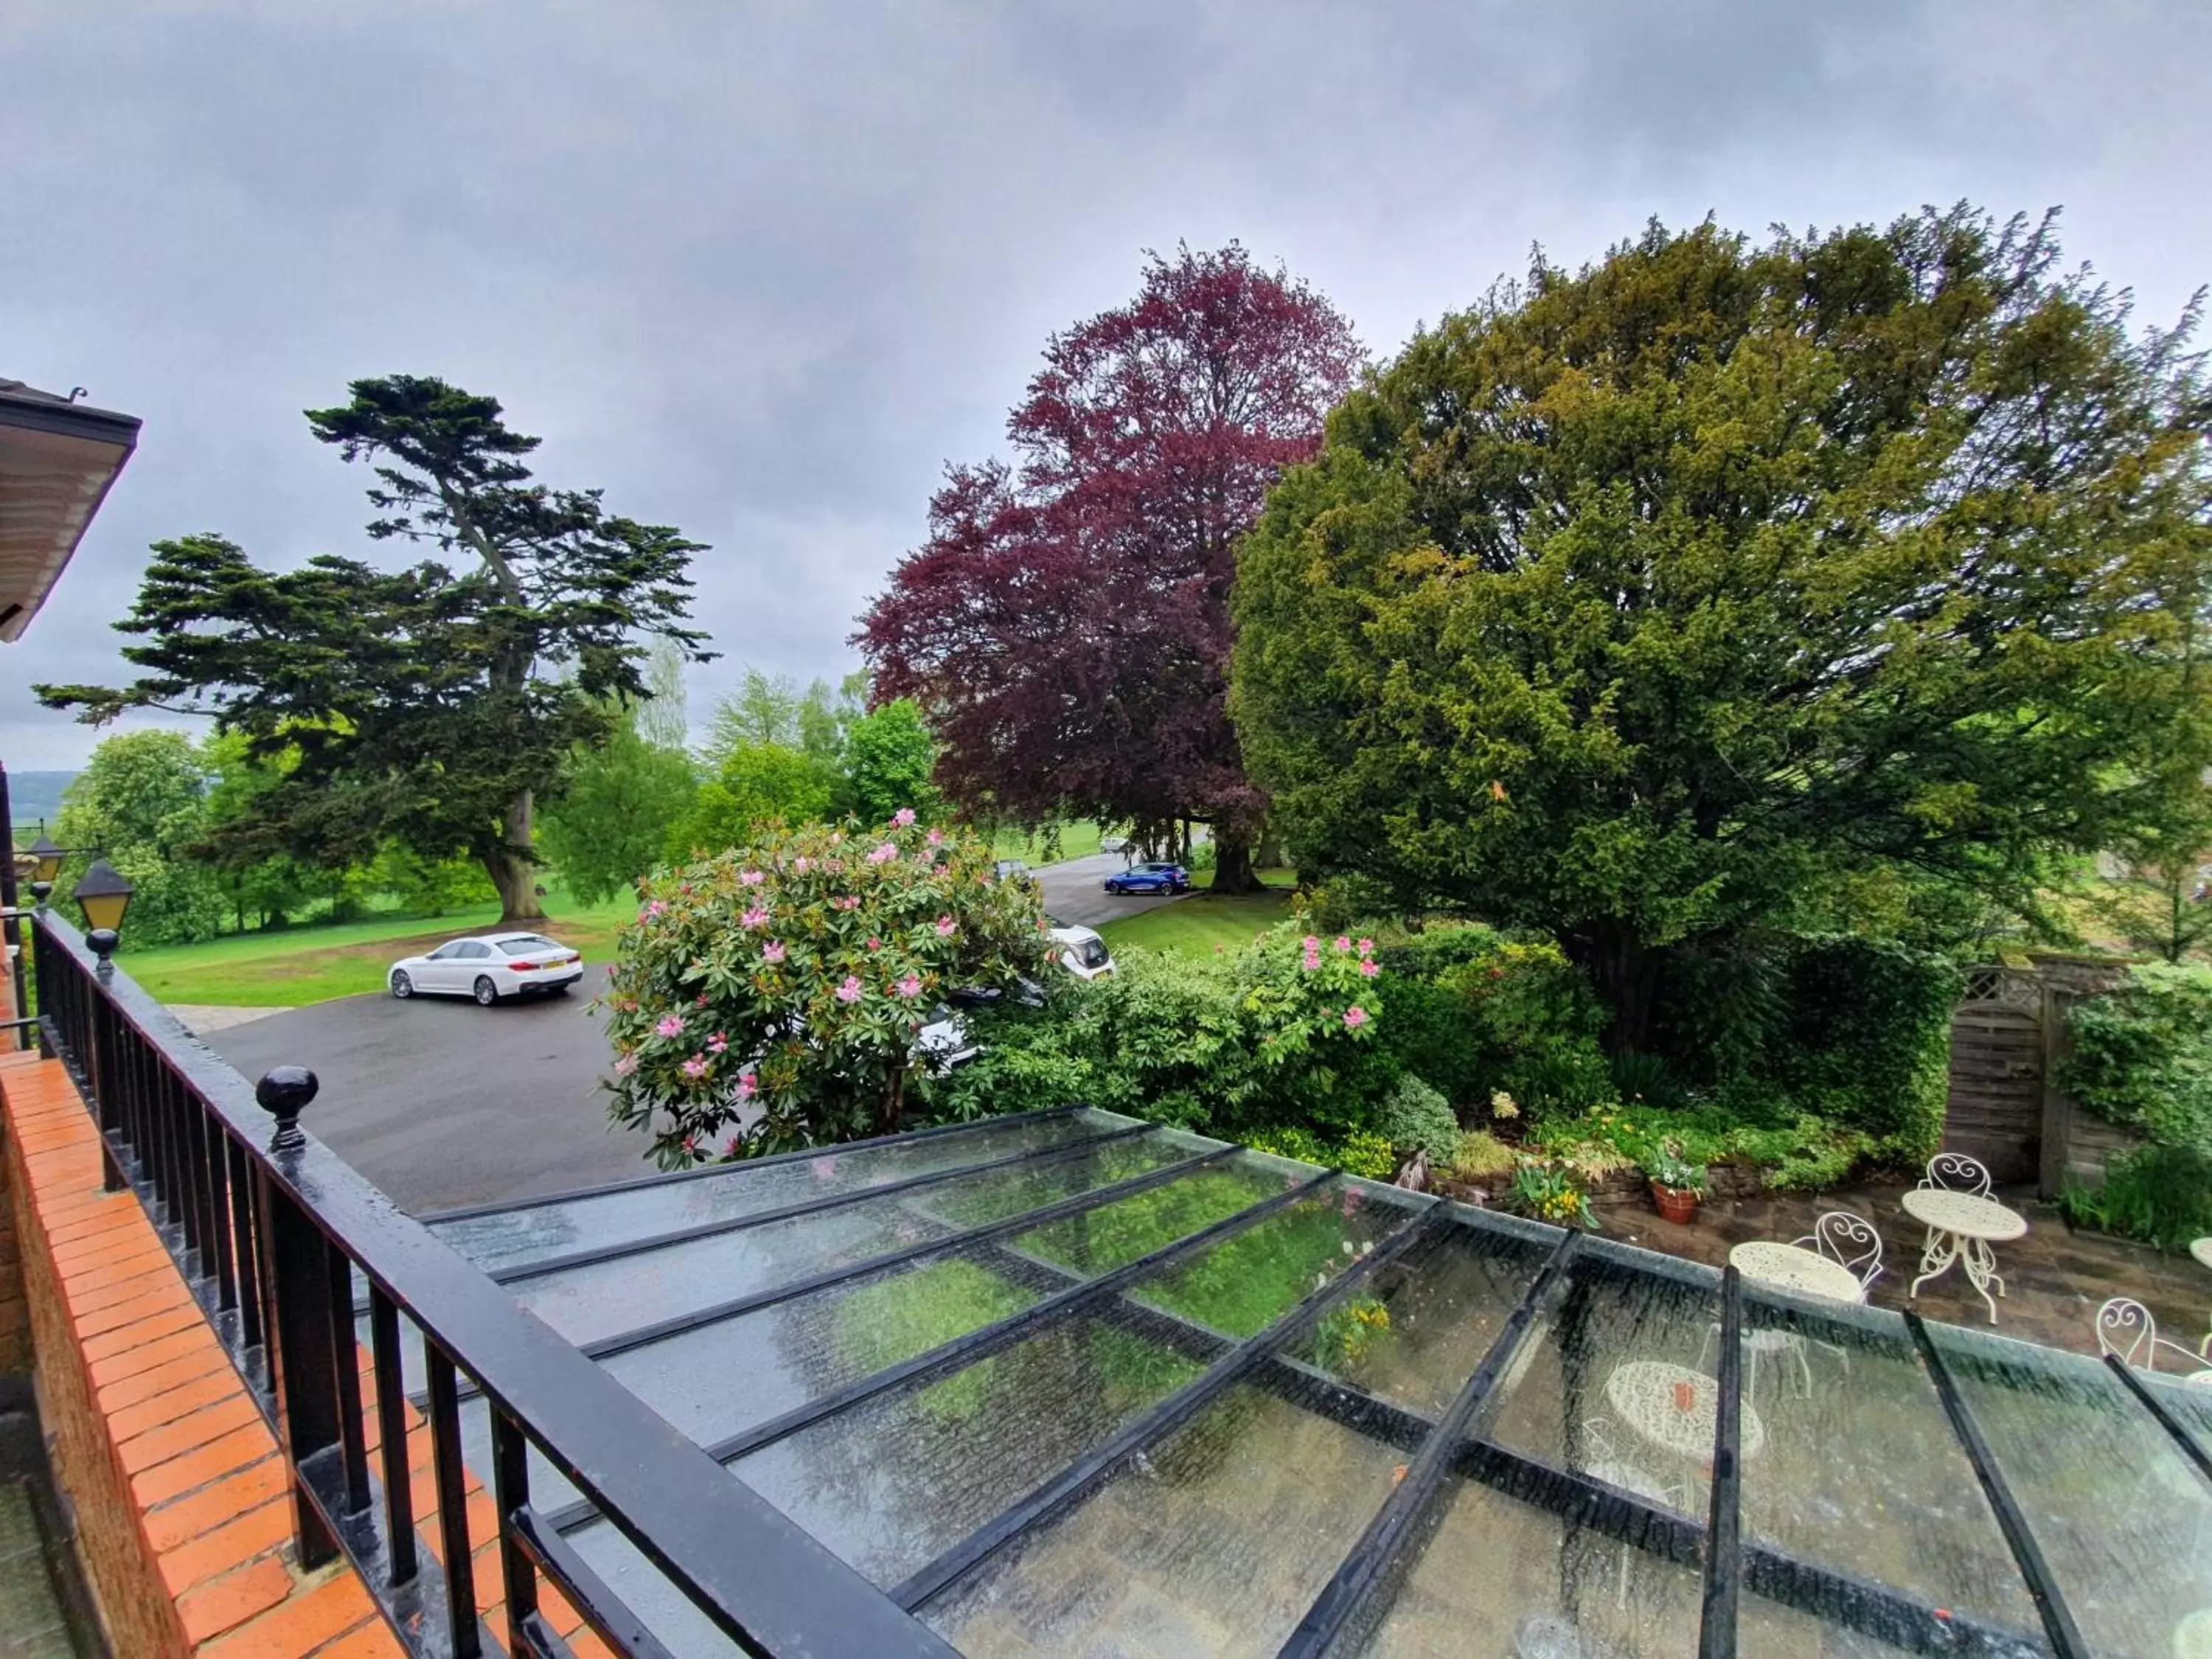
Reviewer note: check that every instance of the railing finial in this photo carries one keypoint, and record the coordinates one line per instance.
(284, 1092)
(102, 941)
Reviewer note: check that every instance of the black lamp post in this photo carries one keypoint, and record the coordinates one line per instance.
(46, 865)
(104, 895)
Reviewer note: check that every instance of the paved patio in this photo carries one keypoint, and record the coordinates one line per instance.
(2055, 1277)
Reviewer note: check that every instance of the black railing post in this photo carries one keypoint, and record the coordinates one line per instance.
(98, 1057)
(392, 1431)
(510, 1491)
(302, 1348)
(450, 1477)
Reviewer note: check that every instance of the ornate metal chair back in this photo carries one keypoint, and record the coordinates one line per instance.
(1850, 1239)
(1957, 1173)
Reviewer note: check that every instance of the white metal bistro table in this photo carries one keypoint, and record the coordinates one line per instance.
(1793, 1267)
(1961, 1227)
(1675, 1409)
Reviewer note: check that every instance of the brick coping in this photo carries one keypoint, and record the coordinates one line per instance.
(166, 1430)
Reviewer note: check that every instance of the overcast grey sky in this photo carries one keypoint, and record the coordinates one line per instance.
(760, 270)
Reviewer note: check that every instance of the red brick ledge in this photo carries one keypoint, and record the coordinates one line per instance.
(182, 1500)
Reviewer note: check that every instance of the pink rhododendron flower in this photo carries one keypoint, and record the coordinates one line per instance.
(1368, 966)
(1343, 945)
(945, 927)
(697, 1066)
(1310, 962)
(747, 1086)
(886, 853)
(874, 944)
(772, 951)
(1355, 1017)
(801, 865)
(672, 1026)
(717, 1044)
(902, 817)
(848, 902)
(700, 1002)
(756, 917)
(692, 1145)
(850, 990)
(1367, 947)
(626, 1065)
(751, 877)
(731, 1150)
(936, 838)
(657, 908)
(910, 986)
(1310, 942)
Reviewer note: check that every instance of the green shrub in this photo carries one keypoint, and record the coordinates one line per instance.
(1366, 1153)
(1866, 1042)
(1544, 1192)
(2142, 1054)
(1805, 1152)
(1417, 1118)
(1302, 1145)
(2161, 1194)
(1645, 1080)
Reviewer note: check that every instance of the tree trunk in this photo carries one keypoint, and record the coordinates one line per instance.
(510, 869)
(1626, 972)
(1232, 865)
(1268, 854)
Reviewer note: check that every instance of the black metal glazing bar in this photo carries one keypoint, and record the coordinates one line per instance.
(1716, 1623)
(451, 1481)
(519, 1272)
(603, 1610)
(395, 1454)
(987, 1339)
(2058, 1619)
(1056, 1494)
(2191, 1447)
(1369, 1563)
(705, 1172)
(510, 1490)
(965, 1350)
(660, 1331)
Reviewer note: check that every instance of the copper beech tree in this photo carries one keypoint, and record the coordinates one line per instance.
(1067, 624)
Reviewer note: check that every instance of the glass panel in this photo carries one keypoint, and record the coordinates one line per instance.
(509, 1237)
(1418, 1334)
(1859, 1470)
(585, 1303)
(1617, 1380)
(1539, 1586)
(1241, 1286)
(1113, 1236)
(2188, 1403)
(726, 1377)
(1214, 1543)
(891, 1482)
(644, 1590)
(2123, 1519)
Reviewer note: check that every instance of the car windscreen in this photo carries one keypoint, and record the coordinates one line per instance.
(1090, 952)
(523, 944)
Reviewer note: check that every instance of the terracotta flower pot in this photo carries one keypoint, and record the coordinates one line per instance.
(1676, 1204)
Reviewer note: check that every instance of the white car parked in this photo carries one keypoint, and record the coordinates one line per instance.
(489, 967)
(1083, 953)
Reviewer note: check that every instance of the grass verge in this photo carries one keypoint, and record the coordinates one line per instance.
(1206, 921)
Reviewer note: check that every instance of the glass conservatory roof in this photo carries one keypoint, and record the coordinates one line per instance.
(1072, 1384)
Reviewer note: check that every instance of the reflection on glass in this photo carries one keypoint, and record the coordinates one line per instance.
(2123, 1519)
(726, 1377)
(511, 1237)
(1214, 1543)
(1114, 1235)
(584, 1304)
(890, 1483)
(1904, 1508)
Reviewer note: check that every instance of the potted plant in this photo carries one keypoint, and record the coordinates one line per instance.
(1676, 1183)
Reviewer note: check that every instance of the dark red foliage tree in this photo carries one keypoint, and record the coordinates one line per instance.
(1067, 624)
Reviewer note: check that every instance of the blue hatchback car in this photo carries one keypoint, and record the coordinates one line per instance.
(1150, 879)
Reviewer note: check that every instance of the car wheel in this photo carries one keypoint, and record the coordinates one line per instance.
(563, 990)
(401, 986)
(487, 993)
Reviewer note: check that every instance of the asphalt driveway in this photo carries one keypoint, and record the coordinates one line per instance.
(441, 1103)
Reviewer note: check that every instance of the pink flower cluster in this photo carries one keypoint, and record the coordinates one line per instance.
(910, 987)
(658, 908)
(756, 917)
(626, 1066)
(849, 991)
(936, 838)
(902, 817)
(800, 865)
(772, 951)
(850, 901)
(717, 1044)
(946, 927)
(748, 1086)
(670, 1026)
(1354, 1018)
(1311, 960)
(697, 1067)
(751, 877)
(886, 853)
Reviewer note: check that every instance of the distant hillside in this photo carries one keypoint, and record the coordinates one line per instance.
(35, 796)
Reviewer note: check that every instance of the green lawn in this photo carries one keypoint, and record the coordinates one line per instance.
(1077, 841)
(1204, 920)
(305, 964)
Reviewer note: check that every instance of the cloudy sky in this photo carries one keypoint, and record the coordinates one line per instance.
(760, 270)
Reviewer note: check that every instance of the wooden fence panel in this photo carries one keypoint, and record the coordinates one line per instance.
(1995, 1108)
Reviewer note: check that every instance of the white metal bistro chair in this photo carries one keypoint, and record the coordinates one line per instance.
(1848, 1239)
(1604, 1462)
(2125, 1327)
(1954, 1172)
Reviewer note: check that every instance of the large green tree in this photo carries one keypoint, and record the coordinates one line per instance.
(617, 802)
(429, 704)
(141, 802)
(889, 755)
(1634, 602)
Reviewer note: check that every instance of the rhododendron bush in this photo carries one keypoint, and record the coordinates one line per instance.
(770, 997)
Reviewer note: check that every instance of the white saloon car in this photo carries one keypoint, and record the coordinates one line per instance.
(489, 967)
(1082, 952)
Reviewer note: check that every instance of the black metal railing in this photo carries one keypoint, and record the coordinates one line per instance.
(271, 1229)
